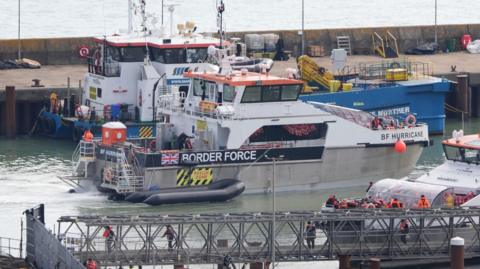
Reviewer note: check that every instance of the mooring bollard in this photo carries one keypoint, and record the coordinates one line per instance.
(10, 112)
(344, 261)
(457, 253)
(374, 263)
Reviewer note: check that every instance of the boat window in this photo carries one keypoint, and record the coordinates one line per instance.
(290, 92)
(201, 87)
(462, 154)
(252, 94)
(196, 55)
(113, 54)
(228, 93)
(168, 56)
(271, 93)
(132, 54)
(293, 132)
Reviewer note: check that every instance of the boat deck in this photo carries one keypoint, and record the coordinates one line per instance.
(55, 76)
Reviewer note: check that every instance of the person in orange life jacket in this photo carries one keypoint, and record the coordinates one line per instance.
(88, 136)
(469, 196)
(403, 230)
(394, 203)
(170, 234)
(109, 236)
(91, 264)
(423, 202)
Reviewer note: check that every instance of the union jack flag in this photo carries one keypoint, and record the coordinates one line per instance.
(170, 158)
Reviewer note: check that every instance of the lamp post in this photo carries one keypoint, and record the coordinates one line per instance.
(19, 42)
(274, 205)
(303, 27)
(436, 36)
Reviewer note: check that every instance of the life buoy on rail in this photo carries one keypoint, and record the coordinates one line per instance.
(83, 51)
(410, 120)
(107, 175)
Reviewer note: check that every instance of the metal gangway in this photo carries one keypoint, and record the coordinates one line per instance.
(248, 237)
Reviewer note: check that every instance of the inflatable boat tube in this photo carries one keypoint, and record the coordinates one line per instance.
(219, 191)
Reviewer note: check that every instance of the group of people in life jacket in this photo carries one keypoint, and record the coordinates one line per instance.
(370, 203)
(379, 123)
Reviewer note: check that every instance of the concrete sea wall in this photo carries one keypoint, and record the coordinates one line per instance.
(49, 51)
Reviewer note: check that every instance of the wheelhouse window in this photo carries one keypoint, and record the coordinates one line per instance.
(113, 54)
(293, 132)
(459, 154)
(252, 94)
(196, 55)
(169, 56)
(132, 54)
(273, 93)
(202, 87)
(228, 93)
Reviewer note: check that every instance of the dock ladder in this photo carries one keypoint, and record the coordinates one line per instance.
(386, 47)
(343, 42)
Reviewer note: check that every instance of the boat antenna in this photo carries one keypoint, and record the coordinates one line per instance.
(163, 5)
(220, 10)
(130, 16)
(144, 16)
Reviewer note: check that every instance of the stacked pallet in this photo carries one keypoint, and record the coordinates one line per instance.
(316, 51)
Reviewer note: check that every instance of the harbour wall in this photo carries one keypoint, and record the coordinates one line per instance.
(50, 51)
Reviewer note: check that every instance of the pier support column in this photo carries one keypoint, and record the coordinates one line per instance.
(463, 94)
(10, 112)
(374, 263)
(344, 261)
(457, 253)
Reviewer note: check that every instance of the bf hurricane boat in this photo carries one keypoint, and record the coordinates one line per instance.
(118, 87)
(251, 127)
(390, 88)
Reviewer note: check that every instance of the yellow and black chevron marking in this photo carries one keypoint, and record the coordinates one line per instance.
(145, 131)
(195, 177)
(183, 177)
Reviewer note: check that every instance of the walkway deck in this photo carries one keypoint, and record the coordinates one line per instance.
(206, 239)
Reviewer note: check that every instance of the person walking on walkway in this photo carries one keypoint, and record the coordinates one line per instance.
(170, 234)
(311, 233)
(403, 230)
(109, 236)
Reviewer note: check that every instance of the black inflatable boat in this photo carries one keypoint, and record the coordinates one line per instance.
(218, 191)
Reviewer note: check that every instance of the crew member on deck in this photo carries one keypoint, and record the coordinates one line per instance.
(87, 136)
(423, 202)
(394, 203)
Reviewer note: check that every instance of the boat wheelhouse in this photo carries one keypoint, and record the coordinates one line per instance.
(238, 124)
(461, 170)
(126, 71)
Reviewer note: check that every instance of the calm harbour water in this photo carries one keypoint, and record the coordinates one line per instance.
(28, 176)
(48, 18)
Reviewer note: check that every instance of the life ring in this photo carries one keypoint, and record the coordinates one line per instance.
(395, 65)
(107, 175)
(410, 120)
(83, 51)
(152, 145)
(322, 70)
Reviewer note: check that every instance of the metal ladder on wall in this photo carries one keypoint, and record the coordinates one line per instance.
(343, 42)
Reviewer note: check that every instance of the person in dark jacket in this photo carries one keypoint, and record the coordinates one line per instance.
(170, 234)
(310, 232)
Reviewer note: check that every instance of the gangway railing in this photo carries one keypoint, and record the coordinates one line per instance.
(83, 154)
(392, 43)
(11, 247)
(378, 44)
(124, 176)
(247, 237)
